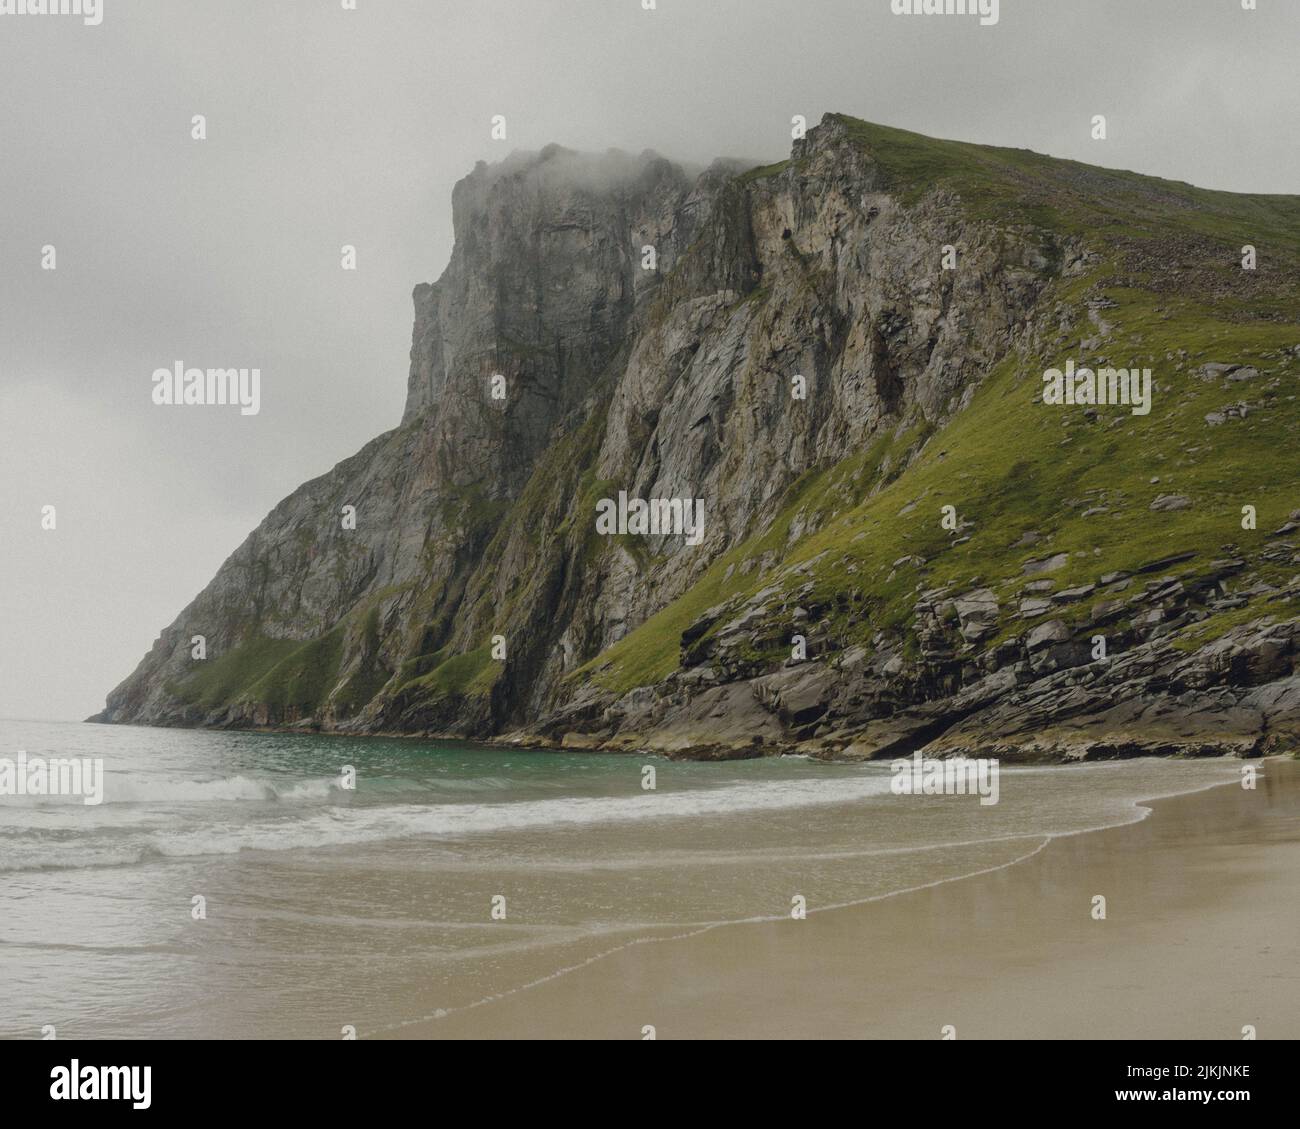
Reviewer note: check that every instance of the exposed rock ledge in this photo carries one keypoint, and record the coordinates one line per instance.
(1239, 695)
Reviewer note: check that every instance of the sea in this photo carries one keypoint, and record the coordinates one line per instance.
(253, 885)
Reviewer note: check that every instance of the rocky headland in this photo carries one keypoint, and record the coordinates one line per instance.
(842, 356)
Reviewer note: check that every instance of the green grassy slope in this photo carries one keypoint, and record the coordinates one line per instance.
(1168, 270)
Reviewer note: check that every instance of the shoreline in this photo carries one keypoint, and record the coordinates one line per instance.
(1025, 753)
(1201, 939)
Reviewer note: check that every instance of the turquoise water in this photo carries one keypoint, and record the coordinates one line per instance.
(373, 907)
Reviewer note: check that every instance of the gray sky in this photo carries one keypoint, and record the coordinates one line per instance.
(328, 127)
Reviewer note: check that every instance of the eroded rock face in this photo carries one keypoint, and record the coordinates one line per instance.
(475, 516)
(541, 290)
(665, 382)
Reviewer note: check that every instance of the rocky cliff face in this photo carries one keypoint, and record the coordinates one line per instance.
(826, 354)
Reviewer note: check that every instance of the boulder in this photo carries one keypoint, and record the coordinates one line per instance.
(1045, 634)
(977, 614)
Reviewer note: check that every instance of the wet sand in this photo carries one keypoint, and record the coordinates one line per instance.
(1201, 938)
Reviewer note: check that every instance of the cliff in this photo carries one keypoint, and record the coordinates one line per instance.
(825, 353)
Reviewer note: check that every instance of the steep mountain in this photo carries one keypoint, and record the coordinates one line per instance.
(842, 358)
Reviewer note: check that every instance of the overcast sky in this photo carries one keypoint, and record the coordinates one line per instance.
(328, 127)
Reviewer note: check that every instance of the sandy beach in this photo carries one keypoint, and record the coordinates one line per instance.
(622, 908)
(1201, 938)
